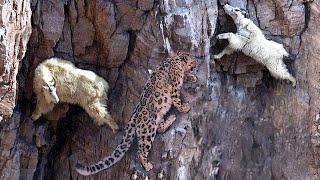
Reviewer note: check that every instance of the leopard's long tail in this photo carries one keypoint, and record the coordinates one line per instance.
(116, 155)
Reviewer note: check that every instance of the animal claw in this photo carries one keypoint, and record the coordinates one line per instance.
(148, 166)
(172, 117)
(193, 78)
(185, 108)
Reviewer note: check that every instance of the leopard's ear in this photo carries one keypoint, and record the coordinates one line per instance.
(175, 53)
(179, 53)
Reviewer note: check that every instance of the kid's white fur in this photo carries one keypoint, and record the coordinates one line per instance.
(250, 40)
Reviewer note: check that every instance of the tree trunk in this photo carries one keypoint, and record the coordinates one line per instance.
(243, 123)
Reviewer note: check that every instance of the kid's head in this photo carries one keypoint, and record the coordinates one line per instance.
(234, 12)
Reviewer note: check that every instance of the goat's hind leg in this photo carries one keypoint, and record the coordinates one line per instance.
(101, 116)
(42, 107)
(281, 72)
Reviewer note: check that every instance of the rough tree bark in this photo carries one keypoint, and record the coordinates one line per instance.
(243, 124)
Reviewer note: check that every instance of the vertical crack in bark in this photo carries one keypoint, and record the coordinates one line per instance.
(69, 164)
(306, 21)
(256, 12)
(67, 16)
(132, 39)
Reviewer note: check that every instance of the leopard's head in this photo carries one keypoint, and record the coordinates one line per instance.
(188, 61)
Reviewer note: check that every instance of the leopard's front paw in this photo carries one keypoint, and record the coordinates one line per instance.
(185, 108)
(148, 166)
(192, 78)
(172, 118)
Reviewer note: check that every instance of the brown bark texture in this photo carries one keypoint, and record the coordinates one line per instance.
(243, 123)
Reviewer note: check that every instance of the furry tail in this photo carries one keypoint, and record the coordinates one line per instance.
(116, 155)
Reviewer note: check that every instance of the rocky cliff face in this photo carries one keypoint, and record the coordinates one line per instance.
(14, 35)
(243, 124)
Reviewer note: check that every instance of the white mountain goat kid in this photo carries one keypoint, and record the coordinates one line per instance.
(250, 40)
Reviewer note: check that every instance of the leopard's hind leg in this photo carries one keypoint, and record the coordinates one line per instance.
(146, 134)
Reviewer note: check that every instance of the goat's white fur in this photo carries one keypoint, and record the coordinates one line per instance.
(250, 40)
(59, 80)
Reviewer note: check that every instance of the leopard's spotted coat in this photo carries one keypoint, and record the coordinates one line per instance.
(160, 92)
